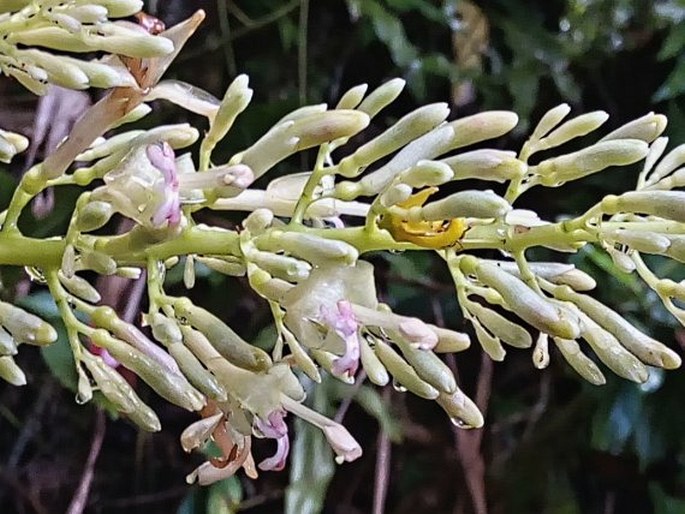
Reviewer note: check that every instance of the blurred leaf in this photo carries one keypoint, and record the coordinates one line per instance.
(674, 85)
(224, 496)
(311, 464)
(665, 504)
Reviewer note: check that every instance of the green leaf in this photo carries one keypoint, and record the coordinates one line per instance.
(674, 85)
(674, 43)
(311, 464)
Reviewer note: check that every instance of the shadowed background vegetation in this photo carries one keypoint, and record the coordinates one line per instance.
(552, 443)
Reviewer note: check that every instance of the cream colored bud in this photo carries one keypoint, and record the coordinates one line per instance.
(236, 99)
(671, 161)
(466, 204)
(665, 204)
(79, 287)
(352, 97)
(120, 40)
(506, 330)
(229, 344)
(610, 351)
(576, 127)
(19, 142)
(522, 300)
(164, 329)
(551, 119)
(103, 75)
(585, 367)
(559, 170)
(541, 351)
(258, 221)
(137, 113)
(462, 411)
(26, 327)
(450, 341)
(326, 360)
(313, 249)
(403, 373)
(408, 128)
(189, 272)
(486, 164)
(428, 367)
(232, 267)
(281, 266)
(120, 8)
(60, 70)
(99, 262)
(372, 365)
(174, 388)
(490, 343)
(648, 350)
(320, 128)
(480, 127)
(381, 97)
(93, 215)
(10, 372)
(647, 242)
(8, 345)
(647, 128)
(118, 391)
(196, 373)
(397, 193)
(427, 173)
(115, 144)
(88, 13)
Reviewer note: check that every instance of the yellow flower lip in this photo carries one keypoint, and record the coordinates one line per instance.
(427, 234)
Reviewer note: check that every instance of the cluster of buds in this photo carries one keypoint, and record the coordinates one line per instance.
(301, 244)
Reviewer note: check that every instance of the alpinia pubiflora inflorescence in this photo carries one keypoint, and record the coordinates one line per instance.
(302, 241)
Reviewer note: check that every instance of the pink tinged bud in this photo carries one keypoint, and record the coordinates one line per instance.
(344, 445)
(274, 426)
(277, 461)
(345, 325)
(162, 157)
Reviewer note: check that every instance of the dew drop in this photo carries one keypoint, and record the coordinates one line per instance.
(460, 423)
(398, 387)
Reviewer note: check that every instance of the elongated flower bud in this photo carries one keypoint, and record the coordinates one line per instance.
(648, 350)
(466, 204)
(611, 352)
(93, 215)
(8, 345)
(372, 365)
(173, 387)
(665, 204)
(99, 262)
(450, 341)
(403, 373)
(559, 170)
(506, 330)
(79, 287)
(231, 346)
(408, 128)
(673, 160)
(647, 128)
(486, 164)
(225, 266)
(576, 127)
(427, 173)
(428, 367)
(585, 367)
(352, 97)
(522, 300)
(236, 99)
(647, 242)
(26, 327)
(551, 119)
(118, 391)
(10, 372)
(381, 97)
(462, 411)
(490, 343)
(312, 248)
